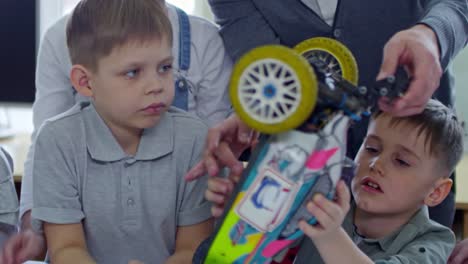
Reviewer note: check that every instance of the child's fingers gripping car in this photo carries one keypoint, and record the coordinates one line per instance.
(305, 98)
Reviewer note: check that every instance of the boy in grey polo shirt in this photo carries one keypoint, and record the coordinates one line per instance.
(403, 167)
(108, 175)
(8, 199)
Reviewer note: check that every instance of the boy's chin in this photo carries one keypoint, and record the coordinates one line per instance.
(369, 205)
(149, 122)
(148, 125)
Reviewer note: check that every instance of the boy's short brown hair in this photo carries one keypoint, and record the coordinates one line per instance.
(443, 132)
(96, 27)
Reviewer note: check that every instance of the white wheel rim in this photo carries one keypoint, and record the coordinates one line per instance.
(332, 66)
(269, 91)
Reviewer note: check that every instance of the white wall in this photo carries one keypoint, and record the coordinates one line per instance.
(460, 67)
(202, 8)
(49, 12)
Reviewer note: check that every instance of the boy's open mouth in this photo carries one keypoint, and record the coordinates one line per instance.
(371, 186)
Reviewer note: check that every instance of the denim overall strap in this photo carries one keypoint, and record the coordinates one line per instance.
(181, 84)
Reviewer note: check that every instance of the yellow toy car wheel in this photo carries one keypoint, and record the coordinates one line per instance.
(336, 57)
(273, 89)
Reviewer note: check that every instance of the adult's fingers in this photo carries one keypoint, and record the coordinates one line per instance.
(460, 258)
(221, 132)
(455, 251)
(2, 258)
(225, 130)
(417, 50)
(413, 102)
(227, 158)
(391, 57)
(459, 254)
(415, 98)
(212, 139)
(214, 159)
(244, 132)
(11, 246)
(135, 262)
(196, 172)
(211, 165)
(26, 252)
(254, 140)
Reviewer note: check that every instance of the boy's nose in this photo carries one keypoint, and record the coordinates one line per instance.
(155, 86)
(377, 166)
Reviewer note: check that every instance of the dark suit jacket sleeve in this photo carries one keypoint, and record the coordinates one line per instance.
(449, 20)
(242, 26)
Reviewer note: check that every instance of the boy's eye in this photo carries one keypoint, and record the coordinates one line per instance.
(165, 68)
(132, 73)
(402, 163)
(371, 149)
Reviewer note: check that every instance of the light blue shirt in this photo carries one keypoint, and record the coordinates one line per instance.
(324, 8)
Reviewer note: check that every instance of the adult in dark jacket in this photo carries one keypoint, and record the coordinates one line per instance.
(423, 35)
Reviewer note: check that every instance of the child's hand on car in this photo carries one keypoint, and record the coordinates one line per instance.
(329, 214)
(219, 191)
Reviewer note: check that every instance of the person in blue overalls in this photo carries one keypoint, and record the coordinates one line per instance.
(201, 70)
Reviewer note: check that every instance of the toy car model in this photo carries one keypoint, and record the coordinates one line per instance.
(305, 99)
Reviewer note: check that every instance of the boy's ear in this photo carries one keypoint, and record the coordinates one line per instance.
(80, 79)
(441, 189)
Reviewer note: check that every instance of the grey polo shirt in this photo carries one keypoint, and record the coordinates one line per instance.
(8, 198)
(421, 240)
(130, 206)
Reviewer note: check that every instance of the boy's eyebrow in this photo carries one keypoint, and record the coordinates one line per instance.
(169, 58)
(409, 151)
(135, 64)
(405, 149)
(374, 137)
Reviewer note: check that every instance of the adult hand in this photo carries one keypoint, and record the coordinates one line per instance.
(224, 144)
(459, 253)
(25, 245)
(135, 262)
(417, 49)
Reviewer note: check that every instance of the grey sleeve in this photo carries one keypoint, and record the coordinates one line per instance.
(54, 94)
(449, 20)
(8, 196)
(194, 207)
(236, 18)
(213, 103)
(55, 180)
(433, 247)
